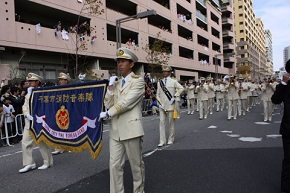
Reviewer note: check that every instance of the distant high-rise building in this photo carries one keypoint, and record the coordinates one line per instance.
(250, 39)
(269, 51)
(286, 53)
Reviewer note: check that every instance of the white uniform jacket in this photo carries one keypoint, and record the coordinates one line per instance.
(190, 91)
(267, 91)
(174, 88)
(202, 91)
(244, 88)
(220, 89)
(211, 90)
(232, 90)
(125, 108)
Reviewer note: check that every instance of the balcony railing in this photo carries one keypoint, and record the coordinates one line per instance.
(217, 3)
(200, 16)
(202, 2)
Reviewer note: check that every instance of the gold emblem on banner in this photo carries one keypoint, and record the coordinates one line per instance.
(62, 118)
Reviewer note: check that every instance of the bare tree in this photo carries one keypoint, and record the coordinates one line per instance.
(14, 70)
(158, 53)
(80, 30)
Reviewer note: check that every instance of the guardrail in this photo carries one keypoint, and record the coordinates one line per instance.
(9, 132)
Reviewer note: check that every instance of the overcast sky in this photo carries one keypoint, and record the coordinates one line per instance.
(275, 15)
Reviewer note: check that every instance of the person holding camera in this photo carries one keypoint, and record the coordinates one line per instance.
(282, 95)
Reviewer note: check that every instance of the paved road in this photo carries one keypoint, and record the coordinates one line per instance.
(213, 155)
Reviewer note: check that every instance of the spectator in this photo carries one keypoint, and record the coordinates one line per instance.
(9, 117)
(154, 106)
(281, 95)
(17, 101)
(23, 87)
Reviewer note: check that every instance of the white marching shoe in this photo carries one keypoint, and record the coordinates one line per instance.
(27, 168)
(44, 167)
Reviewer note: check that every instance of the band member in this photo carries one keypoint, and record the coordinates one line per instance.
(190, 87)
(167, 90)
(267, 89)
(63, 79)
(202, 96)
(243, 93)
(233, 97)
(220, 89)
(27, 141)
(211, 94)
(123, 101)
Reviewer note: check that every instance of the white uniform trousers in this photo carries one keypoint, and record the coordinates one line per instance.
(268, 110)
(232, 108)
(243, 107)
(163, 115)
(203, 109)
(27, 147)
(118, 151)
(210, 104)
(220, 104)
(190, 105)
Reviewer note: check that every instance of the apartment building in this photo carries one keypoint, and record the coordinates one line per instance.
(229, 43)
(269, 52)
(32, 37)
(250, 39)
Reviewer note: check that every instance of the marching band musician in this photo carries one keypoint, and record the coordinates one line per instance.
(233, 96)
(220, 89)
(202, 96)
(243, 93)
(63, 79)
(211, 94)
(167, 90)
(190, 87)
(249, 94)
(267, 89)
(27, 141)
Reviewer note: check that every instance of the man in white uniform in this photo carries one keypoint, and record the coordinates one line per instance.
(123, 101)
(27, 141)
(166, 98)
(202, 90)
(190, 87)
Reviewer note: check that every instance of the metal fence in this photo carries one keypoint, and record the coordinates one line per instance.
(9, 132)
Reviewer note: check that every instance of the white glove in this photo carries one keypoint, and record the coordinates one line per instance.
(161, 107)
(172, 101)
(113, 79)
(104, 116)
(29, 117)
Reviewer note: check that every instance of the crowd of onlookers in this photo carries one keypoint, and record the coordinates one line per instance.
(11, 100)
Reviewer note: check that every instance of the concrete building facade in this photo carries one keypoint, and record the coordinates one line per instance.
(250, 39)
(32, 37)
(269, 52)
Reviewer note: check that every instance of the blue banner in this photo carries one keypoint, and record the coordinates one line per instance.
(66, 117)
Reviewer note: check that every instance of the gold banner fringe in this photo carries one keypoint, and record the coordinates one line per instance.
(83, 147)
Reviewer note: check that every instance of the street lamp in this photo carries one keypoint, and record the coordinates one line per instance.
(129, 18)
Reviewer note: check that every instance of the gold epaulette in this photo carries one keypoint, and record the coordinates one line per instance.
(135, 76)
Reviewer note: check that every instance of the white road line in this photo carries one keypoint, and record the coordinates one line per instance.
(10, 154)
(153, 151)
(17, 152)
